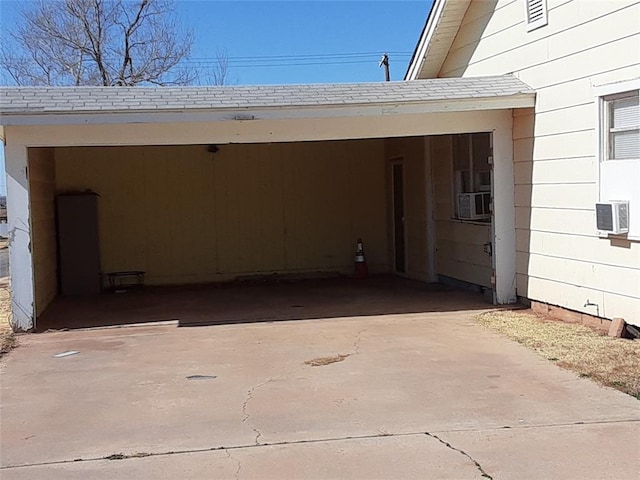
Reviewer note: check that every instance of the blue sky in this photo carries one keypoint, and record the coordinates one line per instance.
(293, 28)
(326, 31)
(344, 40)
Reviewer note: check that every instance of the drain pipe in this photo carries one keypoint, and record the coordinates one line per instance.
(590, 304)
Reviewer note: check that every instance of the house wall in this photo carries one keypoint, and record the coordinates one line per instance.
(560, 260)
(185, 215)
(42, 187)
(411, 151)
(459, 245)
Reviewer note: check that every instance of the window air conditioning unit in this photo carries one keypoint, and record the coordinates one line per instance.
(474, 206)
(612, 217)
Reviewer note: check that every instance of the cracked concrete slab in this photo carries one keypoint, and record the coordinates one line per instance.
(266, 412)
(413, 456)
(595, 451)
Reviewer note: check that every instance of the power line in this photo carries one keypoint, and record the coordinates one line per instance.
(305, 56)
(256, 65)
(293, 60)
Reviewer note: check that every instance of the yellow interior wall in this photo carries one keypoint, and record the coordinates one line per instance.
(185, 215)
(459, 245)
(411, 151)
(42, 187)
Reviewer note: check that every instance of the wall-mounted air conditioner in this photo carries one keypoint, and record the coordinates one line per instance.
(612, 218)
(474, 206)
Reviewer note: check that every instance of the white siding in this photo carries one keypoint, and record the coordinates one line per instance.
(586, 43)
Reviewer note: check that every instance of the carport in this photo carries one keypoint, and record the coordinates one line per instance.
(203, 185)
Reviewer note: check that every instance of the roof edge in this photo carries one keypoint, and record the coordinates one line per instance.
(429, 33)
(419, 52)
(522, 99)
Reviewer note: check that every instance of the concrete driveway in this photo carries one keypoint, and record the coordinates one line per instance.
(415, 395)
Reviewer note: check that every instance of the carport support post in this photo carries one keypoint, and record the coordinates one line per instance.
(430, 222)
(504, 217)
(20, 260)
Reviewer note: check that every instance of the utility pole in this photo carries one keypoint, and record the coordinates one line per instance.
(385, 61)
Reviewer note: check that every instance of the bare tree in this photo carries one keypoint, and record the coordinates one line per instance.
(220, 71)
(97, 42)
(215, 71)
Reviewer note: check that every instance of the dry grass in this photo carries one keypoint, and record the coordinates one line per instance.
(7, 337)
(319, 362)
(609, 361)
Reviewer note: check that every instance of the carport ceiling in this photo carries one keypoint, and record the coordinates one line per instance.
(22, 106)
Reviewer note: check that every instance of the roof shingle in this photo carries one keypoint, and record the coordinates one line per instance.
(49, 100)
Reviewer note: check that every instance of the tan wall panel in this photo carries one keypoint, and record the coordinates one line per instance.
(368, 189)
(459, 245)
(411, 150)
(464, 271)
(184, 215)
(248, 208)
(43, 233)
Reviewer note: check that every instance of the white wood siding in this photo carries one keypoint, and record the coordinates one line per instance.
(585, 44)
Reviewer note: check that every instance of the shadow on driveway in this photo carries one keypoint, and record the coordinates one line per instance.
(245, 302)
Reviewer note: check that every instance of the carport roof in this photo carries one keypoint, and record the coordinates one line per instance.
(503, 91)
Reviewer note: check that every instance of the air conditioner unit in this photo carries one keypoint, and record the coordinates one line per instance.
(474, 206)
(612, 217)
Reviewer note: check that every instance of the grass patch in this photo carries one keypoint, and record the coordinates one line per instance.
(609, 361)
(7, 337)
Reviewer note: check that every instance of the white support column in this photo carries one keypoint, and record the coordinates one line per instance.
(504, 217)
(20, 261)
(431, 224)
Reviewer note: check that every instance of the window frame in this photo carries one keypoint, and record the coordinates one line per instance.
(606, 169)
(472, 161)
(605, 94)
(608, 129)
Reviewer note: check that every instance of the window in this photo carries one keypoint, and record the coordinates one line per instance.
(621, 126)
(536, 14)
(618, 150)
(472, 176)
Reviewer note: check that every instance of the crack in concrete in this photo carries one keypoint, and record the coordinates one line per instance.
(380, 434)
(258, 435)
(448, 445)
(356, 342)
(239, 465)
(250, 393)
(245, 405)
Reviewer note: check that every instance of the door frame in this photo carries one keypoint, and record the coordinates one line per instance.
(393, 161)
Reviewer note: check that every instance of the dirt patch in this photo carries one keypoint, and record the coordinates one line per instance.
(319, 362)
(613, 362)
(7, 337)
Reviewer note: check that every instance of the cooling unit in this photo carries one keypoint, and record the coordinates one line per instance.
(474, 206)
(612, 218)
